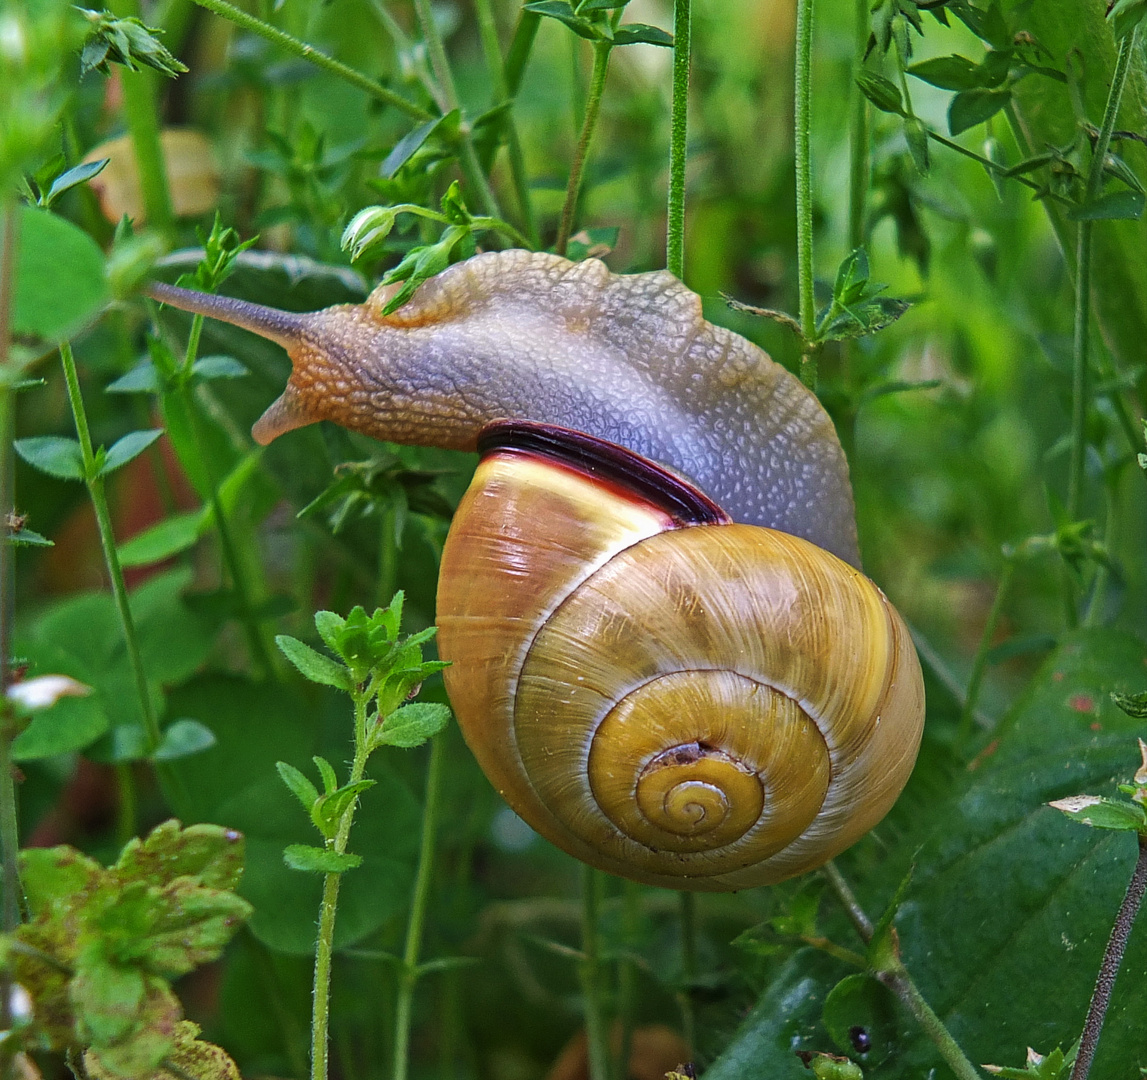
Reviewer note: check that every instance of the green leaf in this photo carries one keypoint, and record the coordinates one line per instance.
(80, 174)
(328, 811)
(60, 280)
(313, 665)
(108, 999)
(972, 107)
(25, 537)
(1132, 704)
(330, 626)
(210, 854)
(916, 135)
(169, 537)
(54, 455)
(327, 772)
(641, 34)
(300, 786)
(949, 72)
(218, 367)
(1114, 206)
(182, 738)
(1102, 813)
(882, 92)
(1126, 15)
(144, 378)
(319, 860)
(410, 144)
(859, 1001)
(563, 11)
(128, 448)
(411, 725)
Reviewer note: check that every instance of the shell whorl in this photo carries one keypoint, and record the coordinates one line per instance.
(709, 706)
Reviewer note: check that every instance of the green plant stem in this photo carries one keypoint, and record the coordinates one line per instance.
(95, 485)
(1109, 967)
(9, 830)
(898, 980)
(419, 903)
(467, 155)
(315, 56)
(627, 979)
(980, 664)
(601, 51)
(126, 816)
(678, 133)
(495, 65)
(256, 643)
(589, 972)
(990, 165)
(803, 157)
(328, 909)
(858, 165)
(688, 903)
(142, 114)
(518, 54)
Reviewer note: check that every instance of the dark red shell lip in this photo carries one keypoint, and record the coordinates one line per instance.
(606, 462)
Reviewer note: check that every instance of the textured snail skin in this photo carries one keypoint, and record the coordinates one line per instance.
(523, 335)
(703, 706)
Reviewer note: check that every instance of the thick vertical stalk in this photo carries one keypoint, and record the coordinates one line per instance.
(1109, 968)
(601, 52)
(9, 833)
(418, 907)
(328, 909)
(803, 157)
(678, 132)
(589, 972)
(142, 114)
(95, 485)
(858, 134)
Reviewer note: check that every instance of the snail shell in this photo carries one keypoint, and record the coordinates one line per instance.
(663, 693)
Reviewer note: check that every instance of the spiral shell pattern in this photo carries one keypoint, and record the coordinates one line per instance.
(707, 706)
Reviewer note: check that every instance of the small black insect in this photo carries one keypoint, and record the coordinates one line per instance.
(860, 1040)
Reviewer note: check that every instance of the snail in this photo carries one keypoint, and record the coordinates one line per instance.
(664, 654)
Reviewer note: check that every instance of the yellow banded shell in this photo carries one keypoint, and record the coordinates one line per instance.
(660, 692)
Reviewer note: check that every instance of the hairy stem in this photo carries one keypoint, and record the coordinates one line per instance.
(803, 157)
(679, 124)
(142, 115)
(95, 485)
(980, 664)
(1112, 958)
(328, 909)
(9, 832)
(601, 50)
(315, 56)
(897, 979)
(418, 906)
(589, 971)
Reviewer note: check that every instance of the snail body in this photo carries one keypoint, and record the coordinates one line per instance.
(664, 655)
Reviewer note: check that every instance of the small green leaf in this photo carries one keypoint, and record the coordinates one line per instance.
(972, 107)
(129, 447)
(1132, 704)
(641, 34)
(1114, 206)
(319, 860)
(949, 72)
(81, 174)
(1102, 813)
(219, 367)
(408, 146)
(313, 665)
(107, 999)
(300, 786)
(327, 772)
(54, 455)
(329, 625)
(169, 537)
(411, 725)
(142, 379)
(882, 92)
(563, 11)
(1126, 15)
(182, 738)
(328, 812)
(25, 537)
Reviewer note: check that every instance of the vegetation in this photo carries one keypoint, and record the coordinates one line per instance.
(944, 238)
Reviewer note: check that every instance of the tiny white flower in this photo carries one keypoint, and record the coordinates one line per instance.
(46, 690)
